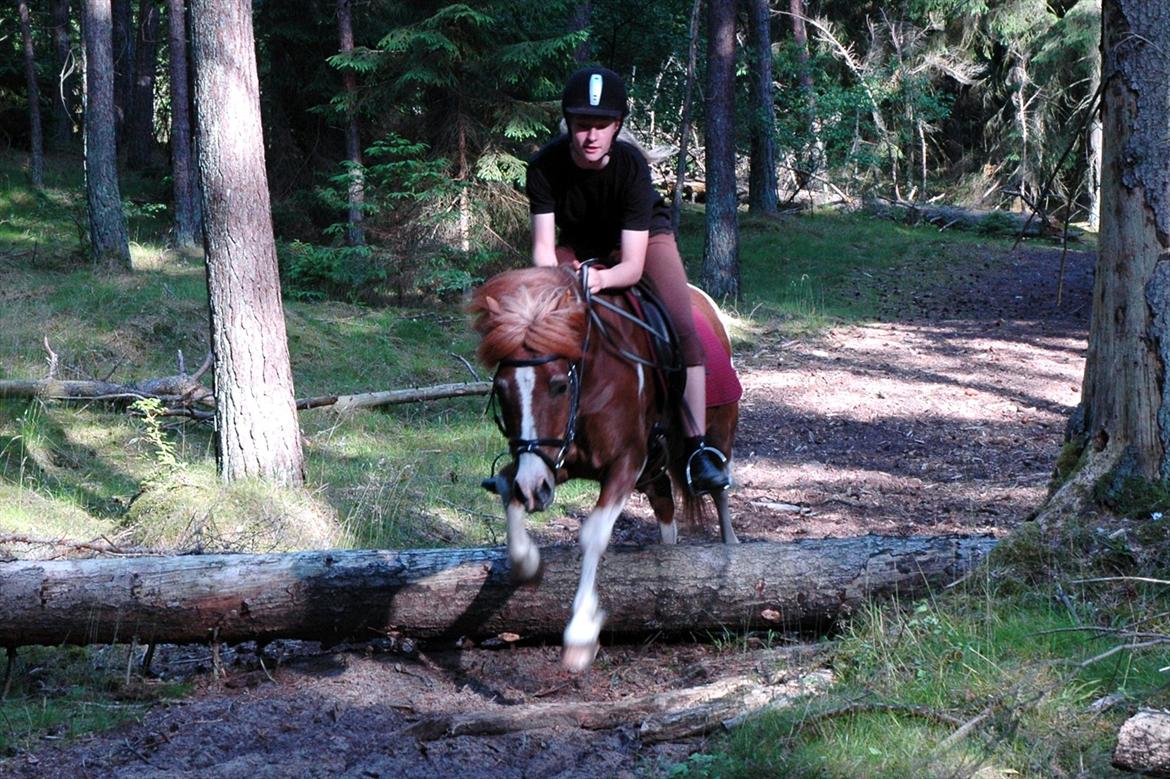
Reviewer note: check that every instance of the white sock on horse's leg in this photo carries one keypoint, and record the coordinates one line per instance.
(669, 532)
(522, 553)
(580, 641)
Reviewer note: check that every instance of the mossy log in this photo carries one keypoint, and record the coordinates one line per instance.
(343, 595)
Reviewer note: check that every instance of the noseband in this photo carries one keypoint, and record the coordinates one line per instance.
(518, 446)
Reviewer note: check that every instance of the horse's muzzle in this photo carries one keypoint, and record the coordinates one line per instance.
(537, 499)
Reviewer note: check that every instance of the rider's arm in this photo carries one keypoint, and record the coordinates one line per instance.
(628, 271)
(544, 239)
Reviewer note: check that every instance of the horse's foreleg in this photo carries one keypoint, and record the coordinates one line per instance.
(661, 499)
(581, 634)
(522, 552)
(721, 506)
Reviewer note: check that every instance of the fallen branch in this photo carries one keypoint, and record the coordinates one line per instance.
(342, 403)
(661, 717)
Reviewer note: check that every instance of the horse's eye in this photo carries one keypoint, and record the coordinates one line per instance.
(558, 385)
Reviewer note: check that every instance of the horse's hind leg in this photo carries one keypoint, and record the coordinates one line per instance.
(661, 500)
(721, 505)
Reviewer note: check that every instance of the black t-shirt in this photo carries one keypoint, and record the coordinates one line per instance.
(592, 207)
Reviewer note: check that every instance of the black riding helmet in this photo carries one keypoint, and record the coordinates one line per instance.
(595, 91)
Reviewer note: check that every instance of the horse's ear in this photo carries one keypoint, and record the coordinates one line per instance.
(491, 304)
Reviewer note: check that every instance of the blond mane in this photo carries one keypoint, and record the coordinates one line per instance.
(538, 309)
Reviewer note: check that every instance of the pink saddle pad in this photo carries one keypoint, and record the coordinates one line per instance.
(723, 385)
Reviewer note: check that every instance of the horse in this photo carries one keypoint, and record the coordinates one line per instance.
(576, 395)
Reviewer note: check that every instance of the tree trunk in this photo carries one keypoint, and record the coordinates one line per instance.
(684, 128)
(256, 420)
(1125, 392)
(1143, 744)
(182, 171)
(36, 143)
(139, 134)
(354, 234)
(1093, 142)
(582, 15)
(720, 275)
(63, 89)
(762, 197)
(810, 161)
(123, 73)
(109, 243)
(335, 595)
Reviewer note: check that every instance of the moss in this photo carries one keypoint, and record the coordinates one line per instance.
(1067, 463)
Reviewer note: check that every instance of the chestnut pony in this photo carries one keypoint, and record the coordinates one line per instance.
(577, 397)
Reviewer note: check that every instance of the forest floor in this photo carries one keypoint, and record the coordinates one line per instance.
(943, 419)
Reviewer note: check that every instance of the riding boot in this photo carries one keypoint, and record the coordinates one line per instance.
(706, 467)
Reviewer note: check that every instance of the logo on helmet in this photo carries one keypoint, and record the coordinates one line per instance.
(595, 82)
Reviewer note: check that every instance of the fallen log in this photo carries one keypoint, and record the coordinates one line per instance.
(339, 595)
(342, 403)
(1143, 744)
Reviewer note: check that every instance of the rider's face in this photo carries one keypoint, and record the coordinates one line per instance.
(592, 137)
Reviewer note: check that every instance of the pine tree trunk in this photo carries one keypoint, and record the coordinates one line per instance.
(62, 89)
(813, 156)
(720, 275)
(684, 129)
(123, 42)
(355, 235)
(762, 197)
(256, 421)
(1129, 344)
(582, 15)
(1125, 397)
(139, 134)
(109, 243)
(36, 162)
(1093, 143)
(182, 170)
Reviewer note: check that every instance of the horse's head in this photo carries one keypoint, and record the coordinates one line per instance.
(532, 328)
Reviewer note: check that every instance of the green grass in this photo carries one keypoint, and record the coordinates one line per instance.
(61, 693)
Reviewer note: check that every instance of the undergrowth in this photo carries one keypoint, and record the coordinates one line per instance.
(1026, 669)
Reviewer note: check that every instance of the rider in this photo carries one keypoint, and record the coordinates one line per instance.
(596, 191)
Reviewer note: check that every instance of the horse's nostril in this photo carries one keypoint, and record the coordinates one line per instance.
(544, 494)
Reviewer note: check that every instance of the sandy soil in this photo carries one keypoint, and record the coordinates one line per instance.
(945, 419)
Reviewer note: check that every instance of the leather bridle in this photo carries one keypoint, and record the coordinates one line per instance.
(517, 445)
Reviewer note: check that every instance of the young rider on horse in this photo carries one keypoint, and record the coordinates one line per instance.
(595, 190)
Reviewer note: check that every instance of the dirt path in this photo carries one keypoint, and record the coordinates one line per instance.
(945, 421)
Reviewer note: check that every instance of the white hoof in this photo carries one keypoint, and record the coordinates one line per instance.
(577, 658)
(526, 566)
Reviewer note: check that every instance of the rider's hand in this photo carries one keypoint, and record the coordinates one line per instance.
(596, 282)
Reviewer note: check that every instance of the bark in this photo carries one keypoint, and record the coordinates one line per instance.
(720, 276)
(337, 595)
(182, 170)
(63, 102)
(36, 161)
(256, 420)
(354, 234)
(666, 716)
(109, 243)
(1126, 399)
(123, 64)
(580, 20)
(139, 126)
(762, 198)
(1143, 744)
(684, 130)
